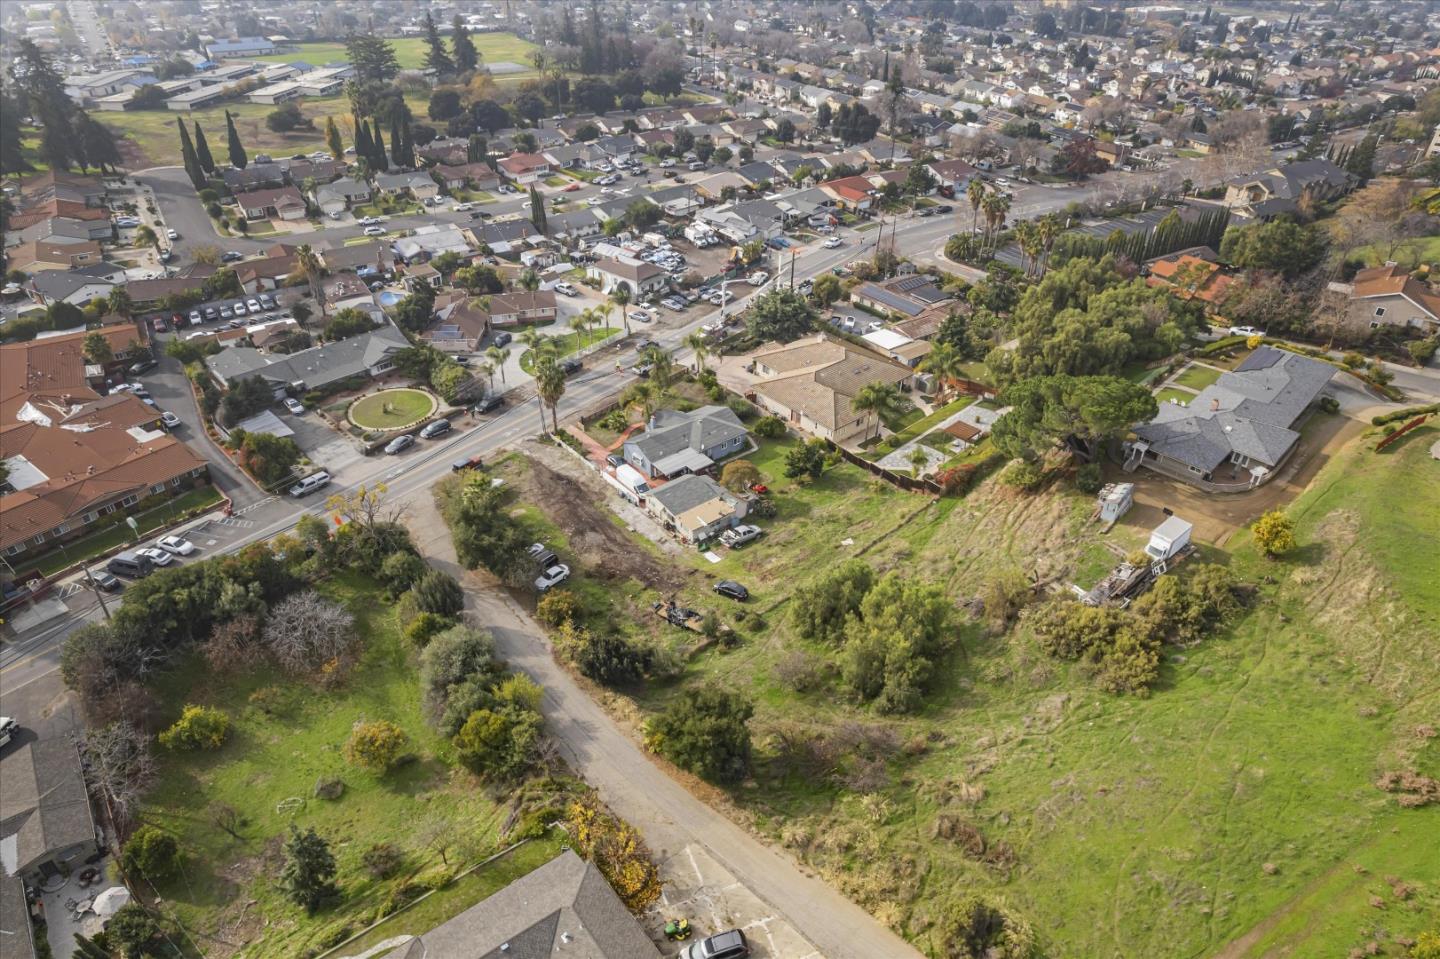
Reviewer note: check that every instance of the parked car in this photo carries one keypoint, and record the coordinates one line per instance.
(267, 301)
(231, 256)
(674, 303)
(732, 589)
(466, 463)
(374, 231)
(571, 366)
(170, 420)
(172, 234)
(552, 576)
(488, 404)
(194, 317)
(639, 316)
(740, 535)
(667, 163)
(142, 367)
(615, 460)
(105, 580)
(437, 428)
(399, 444)
(252, 305)
(178, 545)
(722, 945)
(294, 406)
(8, 729)
(1245, 331)
(369, 220)
(310, 484)
(463, 207)
(833, 242)
(157, 556)
(211, 314)
(226, 313)
(567, 289)
(944, 208)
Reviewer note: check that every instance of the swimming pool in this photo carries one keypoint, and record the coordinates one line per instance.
(390, 297)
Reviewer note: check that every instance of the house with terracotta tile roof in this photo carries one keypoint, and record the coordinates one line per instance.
(851, 192)
(1388, 296)
(73, 456)
(524, 167)
(1189, 276)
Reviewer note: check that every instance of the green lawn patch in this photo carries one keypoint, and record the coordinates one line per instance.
(1197, 377)
(410, 51)
(1172, 393)
(391, 409)
(919, 425)
(567, 343)
(556, 181)
(1409, 253)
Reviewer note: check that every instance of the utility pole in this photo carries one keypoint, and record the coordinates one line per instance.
(99, 594)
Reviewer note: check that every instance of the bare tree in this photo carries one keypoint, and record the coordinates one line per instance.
(366, 506)
(306, 632)
(226, 818)
(119, 769)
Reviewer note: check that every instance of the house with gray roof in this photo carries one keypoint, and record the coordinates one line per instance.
(564, 908)
(696, 507)
(675, 443)
(46, 826)
(1246, 418)
(369, 354)
(337, 197)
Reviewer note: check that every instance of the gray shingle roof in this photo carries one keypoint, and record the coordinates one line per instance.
(1250, 411)
(314, 367)
(44, 807)
(684, 494)
(671, 431)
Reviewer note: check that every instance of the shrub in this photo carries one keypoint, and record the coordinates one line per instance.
(151, 853)
(500, 744)
(459, 655)
(1274, 533)
(1353, 360)
(1021, 474)
(439, 593)
(556, 607)
(615, 420)
(401, 570)
(199, 727)
(1329, 404)
(382, 860)
(1088, 479)
(1422, 351)
(376, 746)
(738, 475)
(424, 627)
(1406, 414)
(738, 405)
(603, 657)
(705, 733)
(769, 427)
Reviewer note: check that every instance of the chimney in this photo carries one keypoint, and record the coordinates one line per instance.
(1215, 404)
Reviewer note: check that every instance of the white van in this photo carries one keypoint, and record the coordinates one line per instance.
(632, 479)
(310, 484)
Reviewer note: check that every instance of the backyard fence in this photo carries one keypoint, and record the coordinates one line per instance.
(908, 483)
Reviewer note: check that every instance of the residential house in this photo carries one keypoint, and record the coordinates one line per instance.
(369, 354)
(508, 237)
(517, 308)
(418, 185)
(641, 279)
(1388, 296)
(851, 192)
(563, 908)
(898, 346)
(258, 276)
(256, 176)
(675, 443)
(904, 295)
(696, 507)
(524, 168)
(66, 286)
(811, 382)
(1279, 190)
(573, 226)
(321, 171)
(431, 240)
(46, 825)
(339, 196)
(472, 176)
(952, 174)
(284, 203)
(37, 256)
(357, 257)
(1246, 418)
(1190, 275)
(459, 327)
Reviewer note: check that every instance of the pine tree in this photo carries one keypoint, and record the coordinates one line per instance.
(537, 210)
(44, 88)
(407, 143)
(12, 157)
(238, 158)
(309, 874)
(462, 48)
(188, 158)
(382, 162)
(332, 139)
(396, 141)
(364, 146)
(435, 57)
(202, 150)
(97, 143)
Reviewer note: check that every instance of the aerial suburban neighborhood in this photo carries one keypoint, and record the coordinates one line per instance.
(793, 479)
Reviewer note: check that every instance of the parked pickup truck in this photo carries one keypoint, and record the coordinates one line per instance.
(740, 535)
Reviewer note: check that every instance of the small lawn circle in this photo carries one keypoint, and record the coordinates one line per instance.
(393, 409)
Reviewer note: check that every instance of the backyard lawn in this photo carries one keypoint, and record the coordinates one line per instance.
(567, 343)
(285, 737)
(1197, 377)
(1172, 393)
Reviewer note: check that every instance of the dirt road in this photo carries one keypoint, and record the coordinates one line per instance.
(665, 813)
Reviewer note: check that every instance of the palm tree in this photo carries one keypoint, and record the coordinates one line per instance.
(550, 386)
(620, 296)
(662, 367)
(144, 236)
(309, 263)
(698, 345)
(578, 323)
(602, 313)
(1048, 229)
(641, 393)
(530, 281)
(1028, 239)
(975, 192)
(497, 357)
(995, 207)
(945, 362)
(877, 400)
(531, 339)
(120, 302)
(918, 461)
(488, 371)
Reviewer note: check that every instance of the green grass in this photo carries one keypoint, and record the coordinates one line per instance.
(276, 757)
(1239, 793)
(1409, 254)
(1171, 393)
(567, 343)
(920, 425)
(391, 409)
(87, 547)
(410, 51)
(1197, 377)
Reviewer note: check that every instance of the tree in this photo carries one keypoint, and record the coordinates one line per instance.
(806, 459)
(444, 105)
(500, 744)
(705, 733)
(550, 385)
(435, 56)
(970, 928)
(819, 610)
(146, 236)
(891, 643)
(43, 87)
(438, 592)
(379, 157)
(96, 349)
(739, 475)
(1274, 533)
(779, 314)
(307, 261)
(238, 157)
(199, 727)
(376, 746)
(1281, 245)
(286, 117)
(133, 931)
(537, 209)
(308, 877)
(616, 849)
(333, 141)
(462, 48)
(879, 401)
(1077, 160)
(306, 632)
(188, 159)
(347, 323)
(458, 655)
(151, 854)
(1080, 411)
(118, 766)
(95, 143)
(945, 362)
(372, 57)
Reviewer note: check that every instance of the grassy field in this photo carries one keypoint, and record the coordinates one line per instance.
(391, 409)
(227, 898)
(1230, 813)
(1411, 253)
(1197, 377)
(569, 343)
(410, 51)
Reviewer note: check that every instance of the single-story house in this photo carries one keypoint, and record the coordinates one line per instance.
(955, 174)
(67, 286)
(508, 237)
(459, 327)
(431, 240)
(524, 168)
(1388, 296)
(357, 256)
(285, 203)
(418, 185)
(513, 309)
(339, 196)
(256, 176)
(675, 443)
(904, 295)
(475, 176)
(641, 279)
(369, 354)
(46, 827)
(39, 255)
(851, 192)
(696, 506)
(1246, 418)
(811, 383)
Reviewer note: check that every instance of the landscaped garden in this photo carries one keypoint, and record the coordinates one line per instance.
(392, 409)
(562, 345)
(1197, 377)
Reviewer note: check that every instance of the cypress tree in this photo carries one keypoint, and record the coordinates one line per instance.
(382, 162)
(364, 146)
(396, 141)
(202, 150)
(187, 157)
(238, 158)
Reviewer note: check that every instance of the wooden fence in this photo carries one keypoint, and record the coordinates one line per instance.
(908, 483)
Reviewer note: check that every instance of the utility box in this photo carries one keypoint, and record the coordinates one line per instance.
(1115, 501)
(1168, 539)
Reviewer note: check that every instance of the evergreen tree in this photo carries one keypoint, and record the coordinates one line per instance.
(407, 143)
(238, 157)
(308, 877)
(12, 156)
(364, 146)
(477, 149)
(202, 150)
(188, 158)
(97, 143)
(396, 141)
(372, 57)
(332, 139)
(462, 48)
(1361, 160)
(537, 209)
(36, 76)
(382, 162)
(435, 57)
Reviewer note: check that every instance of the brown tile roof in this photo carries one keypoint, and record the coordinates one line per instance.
(1392, 280)
(1210, 287)
(53, 366)
(819, 376)
(26, 255)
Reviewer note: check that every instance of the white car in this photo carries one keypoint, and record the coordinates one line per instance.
(462, 207)
(172, 234)
(666, 163)
(567, 289)
(369, 220)
(833, 242)
(178, 545)
(157, 556)
(759, 278)
(740, 535)
(294, 406)
(553, 576)
(1245, 331)
(639, 316)
(170, 420)
(374, 231)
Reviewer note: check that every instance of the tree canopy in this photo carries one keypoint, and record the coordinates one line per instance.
(1080, 410)
(781, 315)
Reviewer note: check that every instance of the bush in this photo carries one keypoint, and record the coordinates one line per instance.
(439, 593)
(1088, 479)
(606, 658)
(705, 733)
(1422, 351)
(151, 853)
(376, 746)
(1275, 533)
(1406, 414)
(1329, 404)
(199, 727)
(615, 421)
(769, 427)
(382, 860)
(738, 405)
(739, 475)
(401, 570)
(458, 657)
(501, 744)
(1353, 360)
(1021, 474)
(557, 607)
(424, 627)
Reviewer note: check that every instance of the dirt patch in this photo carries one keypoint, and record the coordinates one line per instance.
(607, 551)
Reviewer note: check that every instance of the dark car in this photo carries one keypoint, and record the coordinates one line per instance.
(728, 587)
(487, 404)
(144, 366)
(615, 460)
(468, 463)
(231, 256)
(644, 345)
(571, 366)
(399, 444)
(502, 338)
(944, 208)
(437, 428)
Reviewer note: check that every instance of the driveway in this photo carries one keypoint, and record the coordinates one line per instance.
(171, 391)
(640, 791)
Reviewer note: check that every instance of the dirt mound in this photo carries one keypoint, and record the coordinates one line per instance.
(607, 550)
